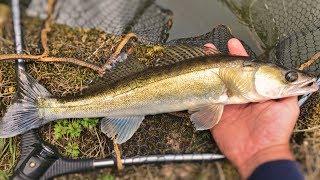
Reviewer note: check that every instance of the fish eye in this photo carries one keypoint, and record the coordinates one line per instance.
(291, 76)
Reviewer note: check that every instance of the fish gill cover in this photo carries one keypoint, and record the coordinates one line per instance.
(288, 31)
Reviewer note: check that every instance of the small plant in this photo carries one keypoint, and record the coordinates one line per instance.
(60, 129)
(89, 123)
(106, 177)
(73, 129)
(70, 130)
(4, 175)
(72, 149)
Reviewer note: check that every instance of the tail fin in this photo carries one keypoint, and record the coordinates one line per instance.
(23, 114)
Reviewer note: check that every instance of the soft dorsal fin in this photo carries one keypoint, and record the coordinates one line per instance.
(219, 36)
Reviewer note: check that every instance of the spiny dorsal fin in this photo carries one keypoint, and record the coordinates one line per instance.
(219, 36)
(146, 56)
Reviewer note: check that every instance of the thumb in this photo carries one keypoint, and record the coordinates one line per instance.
(236, 48)
(291, 103)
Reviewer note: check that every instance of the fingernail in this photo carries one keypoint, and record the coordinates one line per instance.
(236, 48)
(234, 42)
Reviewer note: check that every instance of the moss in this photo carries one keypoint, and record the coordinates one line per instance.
(90, 45)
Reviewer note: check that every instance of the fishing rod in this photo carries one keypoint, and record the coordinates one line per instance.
(44, 162)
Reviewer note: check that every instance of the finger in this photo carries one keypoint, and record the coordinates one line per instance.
(211, 46)
(210, 49)
(289, 100)
(236, 48)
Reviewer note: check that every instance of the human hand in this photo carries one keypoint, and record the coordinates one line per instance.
(252, 134)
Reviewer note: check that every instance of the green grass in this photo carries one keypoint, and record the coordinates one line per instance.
(106, 177)
(4, 175)
(8, 156)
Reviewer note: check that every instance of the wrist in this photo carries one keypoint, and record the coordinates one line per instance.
(278, 152)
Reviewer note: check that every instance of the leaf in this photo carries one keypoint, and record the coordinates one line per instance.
(89, 123)
(59, 130)
(74, 129)
(72, 149)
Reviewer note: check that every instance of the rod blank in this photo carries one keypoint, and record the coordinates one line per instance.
(160, 159)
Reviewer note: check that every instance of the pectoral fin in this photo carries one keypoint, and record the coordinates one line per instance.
(206, 117)
(121, 129)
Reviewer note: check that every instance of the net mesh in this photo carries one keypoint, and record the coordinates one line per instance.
(288, 30)
(146, 19)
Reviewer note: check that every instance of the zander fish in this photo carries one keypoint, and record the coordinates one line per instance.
(203, 86)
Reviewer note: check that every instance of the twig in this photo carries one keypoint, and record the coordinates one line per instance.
(313, 59)
(120, 46)
(47, 28)
(97, 50)
(308, 129)
(100, 144)
(42, 58)
(44, 41)
(220, 171)
(118, 155)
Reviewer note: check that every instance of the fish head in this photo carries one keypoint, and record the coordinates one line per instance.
(275, 82)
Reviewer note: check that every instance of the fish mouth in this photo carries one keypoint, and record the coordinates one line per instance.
(303, 87)
(309, 84)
